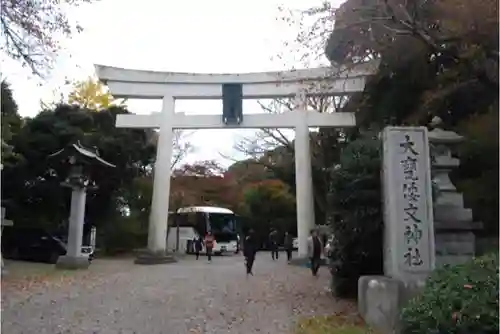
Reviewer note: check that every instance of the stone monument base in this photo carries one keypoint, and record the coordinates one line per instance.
(150, 258)
(72, 262)
(381, 298)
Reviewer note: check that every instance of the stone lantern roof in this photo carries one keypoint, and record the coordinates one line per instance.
(84, 155)
(79, 158)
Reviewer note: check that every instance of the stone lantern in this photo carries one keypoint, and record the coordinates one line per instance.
(453, 223)
(81, 160)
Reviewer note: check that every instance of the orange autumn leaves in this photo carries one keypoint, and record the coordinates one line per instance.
(204, 183)
(207, 183)
(246, 188)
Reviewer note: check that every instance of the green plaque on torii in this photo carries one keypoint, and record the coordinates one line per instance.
(232, 103)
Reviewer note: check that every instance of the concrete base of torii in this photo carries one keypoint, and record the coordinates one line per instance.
(149, 258)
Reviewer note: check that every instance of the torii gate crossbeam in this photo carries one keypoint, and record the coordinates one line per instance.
(252, 121)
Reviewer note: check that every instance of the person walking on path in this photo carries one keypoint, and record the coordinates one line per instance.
(314, 251)
(198, 246)
(209, 245)
(273, 243)
(249, 251)
(288, 246)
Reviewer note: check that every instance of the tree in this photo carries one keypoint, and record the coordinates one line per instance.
(201, 183)
(437, 59)
(385, 27)
(274, 148)
(33, 186)
(477, 175)
(269, 203)
(92, 94)
(427, 46)
(30, 29)
(11, 124)
(356, 214)
(204, 183)
(139, 197)
(249, 171)
(314, 26)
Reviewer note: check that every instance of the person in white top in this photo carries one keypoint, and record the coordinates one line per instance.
(314, 251)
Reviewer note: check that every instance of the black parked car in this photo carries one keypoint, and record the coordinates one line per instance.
(33, 244)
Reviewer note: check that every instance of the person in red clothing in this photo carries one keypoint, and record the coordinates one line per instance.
(209, 245)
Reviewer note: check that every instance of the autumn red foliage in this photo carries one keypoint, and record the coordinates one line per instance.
(204, 183)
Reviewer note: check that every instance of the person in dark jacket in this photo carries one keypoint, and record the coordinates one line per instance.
(249, 251)
(273, 243)
(198, 246)
(315, 251)
(288, 246)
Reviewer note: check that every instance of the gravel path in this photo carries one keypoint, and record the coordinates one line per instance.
(191, 296)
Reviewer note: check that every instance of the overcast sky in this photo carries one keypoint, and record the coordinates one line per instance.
(179, 36)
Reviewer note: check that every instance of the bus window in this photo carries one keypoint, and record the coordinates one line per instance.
(222, 223)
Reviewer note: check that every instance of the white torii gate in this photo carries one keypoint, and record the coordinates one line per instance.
(169, 86)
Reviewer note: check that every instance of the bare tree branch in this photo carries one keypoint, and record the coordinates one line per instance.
(31, 30)
(181, 145)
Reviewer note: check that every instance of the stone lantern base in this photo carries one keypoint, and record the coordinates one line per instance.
(72, 262)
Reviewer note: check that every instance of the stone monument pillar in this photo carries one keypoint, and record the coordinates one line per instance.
(454, 226)
(409, 254)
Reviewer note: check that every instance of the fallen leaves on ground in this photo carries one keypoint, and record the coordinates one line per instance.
(42, 280)
(24, 276)
(333, 324)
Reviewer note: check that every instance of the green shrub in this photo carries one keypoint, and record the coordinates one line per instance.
(335, 323)
(462, 299)
(355, 198)
(123, 235)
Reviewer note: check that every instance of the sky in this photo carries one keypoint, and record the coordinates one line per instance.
(218, 36)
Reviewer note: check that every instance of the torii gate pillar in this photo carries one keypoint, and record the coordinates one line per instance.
(157, 234)
(303, 182)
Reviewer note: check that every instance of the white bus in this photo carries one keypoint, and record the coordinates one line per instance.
(189, 223)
